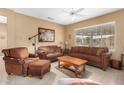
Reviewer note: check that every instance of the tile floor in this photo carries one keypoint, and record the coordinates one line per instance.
(109, 77)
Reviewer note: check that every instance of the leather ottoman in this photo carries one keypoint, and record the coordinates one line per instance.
(39, 68)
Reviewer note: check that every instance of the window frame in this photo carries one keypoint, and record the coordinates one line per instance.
(115, 33)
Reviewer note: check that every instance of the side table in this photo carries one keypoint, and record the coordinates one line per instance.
(65, 51)
(116, 64)
(122, 58)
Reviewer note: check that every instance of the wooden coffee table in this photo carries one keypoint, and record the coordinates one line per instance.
(76, 63)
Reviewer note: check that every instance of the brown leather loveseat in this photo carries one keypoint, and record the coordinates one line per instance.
(98, 57)
(49, 52)
(17, 60)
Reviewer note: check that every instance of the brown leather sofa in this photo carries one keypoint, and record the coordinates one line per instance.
(49, 52)
(17, 60)
(98, 57)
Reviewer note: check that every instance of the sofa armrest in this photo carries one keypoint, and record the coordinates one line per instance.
(106, 55)
(59, 49)
(13, 60)
(105, 60)
(41, 54)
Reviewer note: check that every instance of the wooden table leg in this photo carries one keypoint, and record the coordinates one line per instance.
(79, 70)
(76, 73)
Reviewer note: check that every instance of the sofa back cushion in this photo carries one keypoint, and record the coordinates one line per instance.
(75, 49)
(101, 51)
(49, 49)
(21, 52)
(52, 49)
(45, 49)
(89, 50)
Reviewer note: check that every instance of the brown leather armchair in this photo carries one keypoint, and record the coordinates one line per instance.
(17, 60)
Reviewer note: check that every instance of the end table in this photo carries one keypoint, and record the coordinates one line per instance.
(122, 58)
(65, 51)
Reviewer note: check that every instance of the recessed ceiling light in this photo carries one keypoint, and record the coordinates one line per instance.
(50, 18)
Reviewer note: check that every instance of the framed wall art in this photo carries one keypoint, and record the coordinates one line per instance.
(46, 35)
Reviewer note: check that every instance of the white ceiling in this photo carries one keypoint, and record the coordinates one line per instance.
(58, 15)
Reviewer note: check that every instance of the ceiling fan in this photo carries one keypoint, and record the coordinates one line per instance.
(74, 12)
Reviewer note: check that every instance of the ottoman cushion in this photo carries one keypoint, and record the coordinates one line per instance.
(39, 67)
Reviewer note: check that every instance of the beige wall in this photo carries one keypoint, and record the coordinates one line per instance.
(3, 36)
(118, 17)
(10, 26)
(20, 27)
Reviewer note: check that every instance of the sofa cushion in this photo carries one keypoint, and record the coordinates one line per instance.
(93, 58)
(81, 50)
(41, 47)
(74, 55)
(50, 55)
(45, 49)
(86, 57)
(19, 53)
(52, 47)
(101, 50)
(56, 54)
(88, 50)
(48, 49)
(78, 55)
(74, 49)
(27, 60)
(93, 51)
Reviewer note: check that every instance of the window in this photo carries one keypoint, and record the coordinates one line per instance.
(3, 33)
(102, 35)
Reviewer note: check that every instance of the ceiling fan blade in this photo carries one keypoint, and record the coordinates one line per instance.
(79, 10)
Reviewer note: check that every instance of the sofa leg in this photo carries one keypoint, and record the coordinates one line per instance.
(9, 73)
(41, 77)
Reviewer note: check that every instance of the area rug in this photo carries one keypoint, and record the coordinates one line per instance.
(69, 73)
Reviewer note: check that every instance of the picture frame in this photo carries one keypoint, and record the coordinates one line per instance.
(46, 35)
